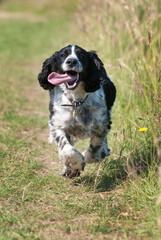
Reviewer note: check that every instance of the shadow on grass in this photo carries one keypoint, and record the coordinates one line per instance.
(111, 175)
(105, 182)
(115, 172)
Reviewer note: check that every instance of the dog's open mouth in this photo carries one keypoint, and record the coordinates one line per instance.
(71, 85)
(69, 78)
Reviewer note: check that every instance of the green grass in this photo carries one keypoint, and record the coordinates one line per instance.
(118, 198)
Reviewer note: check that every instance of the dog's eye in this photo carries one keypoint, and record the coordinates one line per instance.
(62, 55)
(80, 55)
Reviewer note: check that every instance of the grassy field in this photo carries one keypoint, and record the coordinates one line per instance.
(119, 198)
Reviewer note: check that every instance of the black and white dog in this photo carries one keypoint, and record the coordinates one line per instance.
(81, 99)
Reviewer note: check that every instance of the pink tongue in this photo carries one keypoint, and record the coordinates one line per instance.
(56, 78)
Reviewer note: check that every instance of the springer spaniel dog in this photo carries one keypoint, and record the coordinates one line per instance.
(81, 100)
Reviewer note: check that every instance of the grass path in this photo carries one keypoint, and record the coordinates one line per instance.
(35, 202)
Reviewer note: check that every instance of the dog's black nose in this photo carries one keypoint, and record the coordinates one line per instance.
(71, 62)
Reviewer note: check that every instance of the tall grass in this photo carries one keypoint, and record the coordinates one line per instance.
(126, 35)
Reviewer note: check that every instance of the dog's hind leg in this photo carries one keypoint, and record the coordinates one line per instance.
(97, 149)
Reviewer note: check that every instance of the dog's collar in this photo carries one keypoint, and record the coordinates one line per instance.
(74, 103)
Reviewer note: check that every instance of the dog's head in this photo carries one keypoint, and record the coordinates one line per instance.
(70, 66)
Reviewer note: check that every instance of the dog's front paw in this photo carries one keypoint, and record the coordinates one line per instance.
(70, 173)
(90, 157)
(73, 161)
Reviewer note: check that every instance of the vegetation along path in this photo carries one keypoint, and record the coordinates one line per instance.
(118, 198)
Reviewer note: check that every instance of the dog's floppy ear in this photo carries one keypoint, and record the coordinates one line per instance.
(47, 68)
(95, 69)
(110, 91)
(98, 77)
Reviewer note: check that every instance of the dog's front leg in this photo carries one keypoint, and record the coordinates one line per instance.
(73, 160)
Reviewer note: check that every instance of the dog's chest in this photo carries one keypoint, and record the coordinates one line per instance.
(81, 121)
(75, 121)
